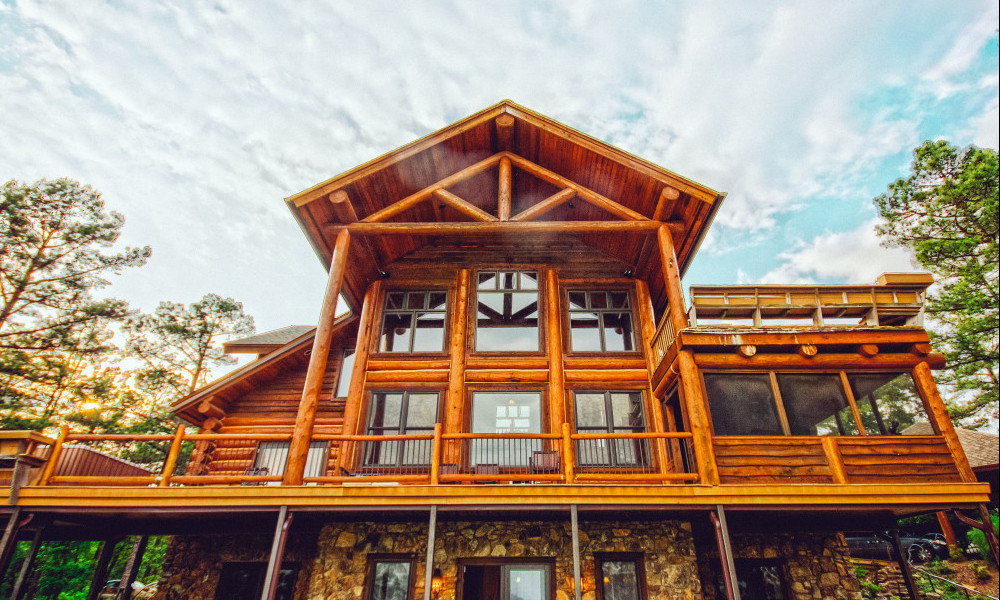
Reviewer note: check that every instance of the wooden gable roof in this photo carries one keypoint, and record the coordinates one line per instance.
(505, 170)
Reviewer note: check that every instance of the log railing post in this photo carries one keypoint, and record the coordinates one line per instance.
(834, 460)
(306, 416)
(175, 450)
(568, 456)
(436, 455)
(693, 395)
(50, 465)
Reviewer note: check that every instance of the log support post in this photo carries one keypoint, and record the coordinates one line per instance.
(273, 573)
(940, 420)
(429, 562)
(458, 348)
(574, 524)
(693, 394)
(904, 564)
(946, 529)
(557, 374)
(132, 567)
(9, 540)
(504, 193)
(355, 392)
(306, 417)
(644, 308)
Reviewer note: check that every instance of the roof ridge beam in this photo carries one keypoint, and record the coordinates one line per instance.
(584, 193)
(418, 197)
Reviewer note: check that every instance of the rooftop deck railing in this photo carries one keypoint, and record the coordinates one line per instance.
(428, 459)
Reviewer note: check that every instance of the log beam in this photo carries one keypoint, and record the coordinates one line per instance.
(665, 204)
(493, 227)
(551, 203)
(466, 208)
(418, 197)
(504, 189)
(939, 418)
(306, 416)
(505, 132)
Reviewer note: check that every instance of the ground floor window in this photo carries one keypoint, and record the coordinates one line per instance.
(389, 577)
(484, 580)
(242, 580)
(620, 576)
(758, 579)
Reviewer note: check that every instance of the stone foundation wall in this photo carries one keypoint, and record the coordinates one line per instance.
(885, 575)
(192, 564)
(816, 566)
(667, 547)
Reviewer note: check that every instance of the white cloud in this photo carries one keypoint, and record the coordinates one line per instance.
(853, 257)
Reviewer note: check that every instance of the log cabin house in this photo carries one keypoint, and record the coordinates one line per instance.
(521, 403)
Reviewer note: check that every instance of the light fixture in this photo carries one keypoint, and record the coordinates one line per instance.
(437, 581)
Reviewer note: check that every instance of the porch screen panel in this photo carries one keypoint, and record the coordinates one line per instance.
(816, 404)
(887, 402)
(742, 404)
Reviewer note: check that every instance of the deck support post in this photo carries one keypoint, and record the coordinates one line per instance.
(29, 562)
(100, 577)
(574, 525)
(904, 565)
(132, 567)
(9, 540)
(429, 563)
(718, 518)
(306, 416)
(989, 532)
(273, 573)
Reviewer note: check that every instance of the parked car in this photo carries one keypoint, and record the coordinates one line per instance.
(139, 591)
(917, 548)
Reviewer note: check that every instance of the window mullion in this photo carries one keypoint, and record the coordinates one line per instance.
(851, 401)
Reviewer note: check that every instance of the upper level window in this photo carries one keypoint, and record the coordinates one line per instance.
(414, 321)
(505, 412)
(344, 374)
(839, 403)
(507, 311)
(600, 321)
(400, 413)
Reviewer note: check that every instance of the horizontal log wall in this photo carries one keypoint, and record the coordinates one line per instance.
(771, 460)
(898, 459)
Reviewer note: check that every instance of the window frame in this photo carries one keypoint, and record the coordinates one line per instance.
(846, 388)
(644, 451)
(384, 310)
(401, 429)
(473, 308)
(543, 415)
(344, 377)
(547, 561)
(371, 559)
(577, 286)
(637, 558)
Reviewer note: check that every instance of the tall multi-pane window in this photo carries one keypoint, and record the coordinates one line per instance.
(414, 321)
(400, 413)
(600, 321)
(611, 412)
(505, 412)
(507, 311)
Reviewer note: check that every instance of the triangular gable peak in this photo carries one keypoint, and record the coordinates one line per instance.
(505, 170)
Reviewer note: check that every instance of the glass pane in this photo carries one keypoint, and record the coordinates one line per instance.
(429, 336)
(421, 411)
(386, 409)
(487, 280)
(394, 300)
(598, 300)
(618, 332)
(344, 376)
(619, 300)
(526, 582)
(529, 280)
(395, 333)
(742, 404)
(505, 412)
(390, 580)
(416, 452)
(888, 402)
(620, 580)
(627, 410)
(381, 453)
(415, 300)
(585, 333)
(816, 405)
(577, 300)
(437, 300)
(590, 411)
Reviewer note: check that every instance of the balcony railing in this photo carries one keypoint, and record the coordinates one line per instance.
(428, 459)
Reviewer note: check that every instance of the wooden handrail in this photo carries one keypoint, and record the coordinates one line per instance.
(501, 436)
(652, 435)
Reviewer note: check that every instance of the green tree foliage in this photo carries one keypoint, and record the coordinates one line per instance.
(180, 344)
(57, 247)
(946, 212)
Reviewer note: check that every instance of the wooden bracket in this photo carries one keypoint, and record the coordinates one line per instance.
(210, 409)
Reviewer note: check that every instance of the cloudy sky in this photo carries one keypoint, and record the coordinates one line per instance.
(195, 119)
